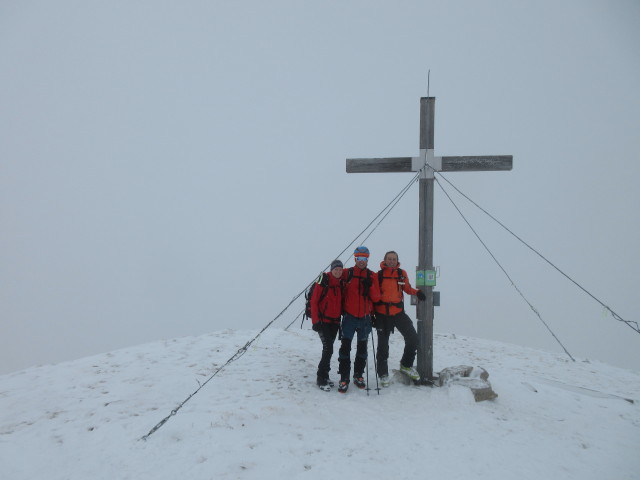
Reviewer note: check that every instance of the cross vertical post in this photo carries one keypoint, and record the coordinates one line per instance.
(427, 164)
(424, 310)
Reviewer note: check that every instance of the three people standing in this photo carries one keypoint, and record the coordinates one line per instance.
(357, 294)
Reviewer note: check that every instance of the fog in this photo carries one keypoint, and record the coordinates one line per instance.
(176, 168)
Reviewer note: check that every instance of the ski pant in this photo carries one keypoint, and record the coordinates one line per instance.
(384, 326)
(350, 326)
(327, 334)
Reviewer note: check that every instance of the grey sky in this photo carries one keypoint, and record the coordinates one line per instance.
(174, 168)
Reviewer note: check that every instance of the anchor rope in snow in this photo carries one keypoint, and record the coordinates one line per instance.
(241, 351)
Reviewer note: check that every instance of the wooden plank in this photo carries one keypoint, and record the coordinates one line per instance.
(477, 163)
(379, 165)
(427, 117)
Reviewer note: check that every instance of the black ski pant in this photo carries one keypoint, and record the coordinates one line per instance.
(327, 334)
(385, 325)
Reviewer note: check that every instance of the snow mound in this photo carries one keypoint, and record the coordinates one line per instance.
(263, 417)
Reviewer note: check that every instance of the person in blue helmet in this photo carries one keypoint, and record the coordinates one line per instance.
(359, 294)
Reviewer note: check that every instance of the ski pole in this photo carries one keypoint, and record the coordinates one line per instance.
(375, 362)
(367, 370)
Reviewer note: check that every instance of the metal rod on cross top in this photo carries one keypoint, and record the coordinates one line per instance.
(429, 164)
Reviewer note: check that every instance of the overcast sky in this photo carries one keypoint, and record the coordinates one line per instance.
(175, 168)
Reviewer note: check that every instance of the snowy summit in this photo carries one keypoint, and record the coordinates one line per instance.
(262, 416)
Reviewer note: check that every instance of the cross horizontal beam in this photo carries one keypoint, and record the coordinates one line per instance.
(477, 164)
(377, 165)
(449, 164)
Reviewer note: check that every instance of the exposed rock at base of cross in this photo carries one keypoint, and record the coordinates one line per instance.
(476, 378)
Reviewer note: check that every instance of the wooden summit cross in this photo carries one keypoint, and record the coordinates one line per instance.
(425, 272)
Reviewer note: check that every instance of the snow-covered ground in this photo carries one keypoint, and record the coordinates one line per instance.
(262, 416)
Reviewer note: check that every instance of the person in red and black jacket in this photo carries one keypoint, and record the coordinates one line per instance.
(326, 311)
(390, 314)
(359, 294)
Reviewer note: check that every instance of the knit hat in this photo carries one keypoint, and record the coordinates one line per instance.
(361, 252)
(336, 264)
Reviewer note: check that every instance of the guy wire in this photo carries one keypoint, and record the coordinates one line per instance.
(504, 271)
(630, 323)
(241, 351)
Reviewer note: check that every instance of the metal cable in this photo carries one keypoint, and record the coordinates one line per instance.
(297, 317)
(390, 206)
(398, 197)
(504, 271)
(630, 323)
(244, 349)
(235, 357)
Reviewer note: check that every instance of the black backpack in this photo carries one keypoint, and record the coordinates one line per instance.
(323, 281)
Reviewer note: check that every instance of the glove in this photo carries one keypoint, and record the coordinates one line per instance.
(317, 327)
(373, 320)
(421, 296)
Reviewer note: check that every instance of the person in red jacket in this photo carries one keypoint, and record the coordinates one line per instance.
(390, 314)
(359, 293)
(326, 311)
